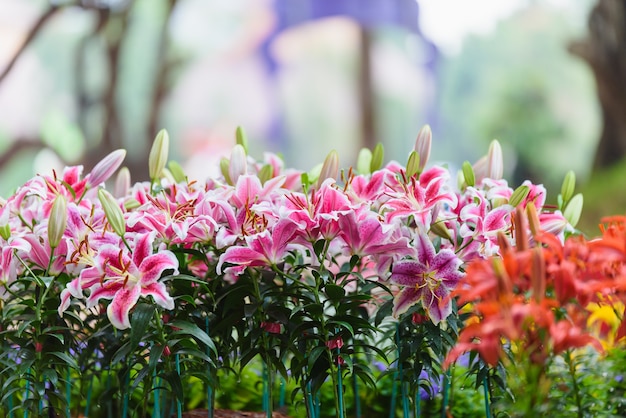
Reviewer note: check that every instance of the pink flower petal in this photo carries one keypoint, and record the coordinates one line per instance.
(154, 265)
(408, 297)
(159, 292)
(407, 273)
(124, 300)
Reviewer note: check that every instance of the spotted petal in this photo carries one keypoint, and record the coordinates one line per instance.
(407, 297)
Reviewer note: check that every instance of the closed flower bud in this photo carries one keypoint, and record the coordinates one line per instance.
(567, 188)
(57, 221)
(468, 174)
(378, 157)
(238, 165)
(224, 163)
(495, 162)
(412, 165)
(5, 231)
(573, 209)
(113, 212)
(106, 167)
(364, 161)
(423, 144)
(177, 172)
(122, 182)
(158, 155)
(241, 138)
(330, 168)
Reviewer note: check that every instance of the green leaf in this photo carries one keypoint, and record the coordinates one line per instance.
(139, 323)
(195, 331)
(314, 355)
(175, 383)
(70, 361)
(334, 292)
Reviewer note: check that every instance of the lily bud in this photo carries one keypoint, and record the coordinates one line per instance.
(238, 164)
(521, 233)
(364, 161)
(480, 168)
(265, 173)
(177, 172)
(113, 212)
(330, 168)
(57, 221)
(422, 145)
(533, 219)
(567, 188)
(519, 195)
(224, 163)
(574, 209)
(377, 157)
(439, 229)
(538, 277)
(5, 231)
(241, 138)
(495, 162)
(106, 167)
(412, 165)
(158, 155)
(468, 174)
(122, 182)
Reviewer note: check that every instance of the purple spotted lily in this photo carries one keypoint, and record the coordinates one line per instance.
(429, 279)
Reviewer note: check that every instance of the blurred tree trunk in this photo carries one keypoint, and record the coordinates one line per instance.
(605, 51)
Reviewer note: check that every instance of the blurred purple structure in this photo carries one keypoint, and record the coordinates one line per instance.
(370, 15)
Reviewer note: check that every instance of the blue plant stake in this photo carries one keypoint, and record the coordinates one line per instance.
(68, 393)
(156, 411)
(209, 391)
(486, 389)
(418, 403)
(357, 399)
(446, 387)
(88, 403)
(179, 407)
(126, 395)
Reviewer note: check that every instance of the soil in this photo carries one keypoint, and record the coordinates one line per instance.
(223, 413)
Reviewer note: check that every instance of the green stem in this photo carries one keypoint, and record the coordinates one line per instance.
(572, 372)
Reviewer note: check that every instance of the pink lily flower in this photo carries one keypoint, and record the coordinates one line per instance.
(126, 277)
(428, 280)
(266, 248)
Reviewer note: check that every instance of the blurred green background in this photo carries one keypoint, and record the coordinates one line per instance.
(79, 78)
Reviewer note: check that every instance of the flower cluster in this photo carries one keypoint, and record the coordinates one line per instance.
(406, 231)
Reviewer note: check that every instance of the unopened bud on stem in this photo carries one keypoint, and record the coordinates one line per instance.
(57, 221)
(330, 168)
(158, 155)
(106, 167)
(113, 212)
(423, 144)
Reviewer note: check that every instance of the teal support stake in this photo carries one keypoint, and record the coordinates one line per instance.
(357, 399)
(156, 411)
(405, 400)
(487, 401)
(68, 393)
(126, 395)
(179, 406)
(446, 387)
(26, 390)
(283, 392)
(418, 404)
(209, 391)
(88, 402)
